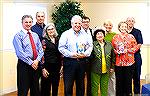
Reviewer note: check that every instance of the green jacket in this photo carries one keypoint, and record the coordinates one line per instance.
(96, 57)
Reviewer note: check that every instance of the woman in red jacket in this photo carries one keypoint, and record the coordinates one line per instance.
(125, 46)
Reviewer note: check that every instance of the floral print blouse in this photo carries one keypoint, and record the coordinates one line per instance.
(124, 47)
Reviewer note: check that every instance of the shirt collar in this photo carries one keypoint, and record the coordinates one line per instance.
(75, 32)
(88, 30)
(25, 31)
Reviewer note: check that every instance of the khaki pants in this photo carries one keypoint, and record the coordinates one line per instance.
(112, 85)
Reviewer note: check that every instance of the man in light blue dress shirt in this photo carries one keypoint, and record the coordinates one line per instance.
(75, 45)
(27, 67)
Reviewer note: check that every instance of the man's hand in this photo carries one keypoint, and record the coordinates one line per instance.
(78, 55)
(75, 55)
(111, 70)
(35, 64)
(81, 55)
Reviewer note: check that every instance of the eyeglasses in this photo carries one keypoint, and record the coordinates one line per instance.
(85, 21)
(50, 29)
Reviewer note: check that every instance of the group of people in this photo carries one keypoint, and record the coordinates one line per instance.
(105, 58)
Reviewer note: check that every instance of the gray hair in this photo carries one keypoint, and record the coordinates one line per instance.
(26, 16)
(130, 18)
(45, 35)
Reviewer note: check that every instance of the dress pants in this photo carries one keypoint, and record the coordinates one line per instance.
(124, 80)
(47, 83)
(27, 78)
(74, 70)
(137, 73)
(88, 77)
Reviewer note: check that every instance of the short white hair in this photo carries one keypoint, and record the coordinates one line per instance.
(108, 21)
(75, 17)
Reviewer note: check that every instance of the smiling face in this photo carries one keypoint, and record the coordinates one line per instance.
(50, 31)
(123, 27)
(130, 21)
(108, 25)
(27, 23)
(85, 23)
(76, 22)
(76, 25)
(100, 36)
(40, 17)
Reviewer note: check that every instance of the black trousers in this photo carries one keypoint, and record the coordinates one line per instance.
(124, 80)
(27, 78)
(51, 81)
(74, 71)
(88, 77)
(137, 73)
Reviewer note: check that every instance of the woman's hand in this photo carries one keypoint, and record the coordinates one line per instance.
(45, 73)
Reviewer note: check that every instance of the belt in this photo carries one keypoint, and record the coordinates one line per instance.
(77, 59)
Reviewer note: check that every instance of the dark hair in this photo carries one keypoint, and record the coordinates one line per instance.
(96, 31)
(39, 12)
(85, 17)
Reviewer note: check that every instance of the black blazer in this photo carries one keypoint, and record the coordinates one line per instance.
(52, 56)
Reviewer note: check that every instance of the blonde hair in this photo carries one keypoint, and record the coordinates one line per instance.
(120, 24)
(108, 21)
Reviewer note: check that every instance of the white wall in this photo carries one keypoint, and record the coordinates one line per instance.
(12, 14)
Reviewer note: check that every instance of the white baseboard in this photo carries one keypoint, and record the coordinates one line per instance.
(8, 90)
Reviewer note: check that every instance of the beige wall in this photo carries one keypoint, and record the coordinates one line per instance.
(95, 9)
(118, 11)
(1, 55)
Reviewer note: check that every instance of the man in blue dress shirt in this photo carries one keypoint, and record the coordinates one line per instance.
(27, 67)
(75, 45)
